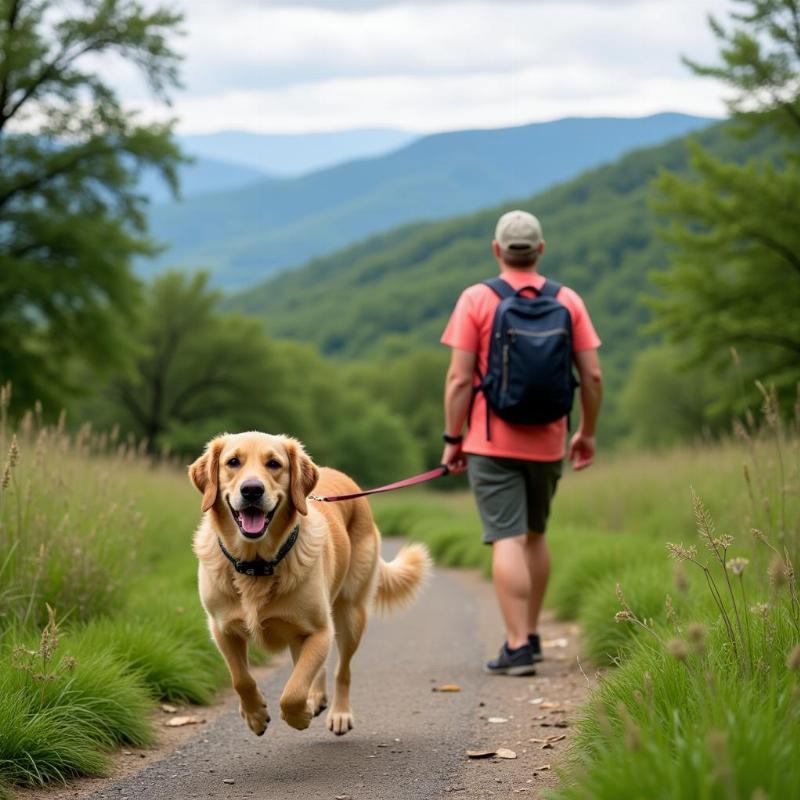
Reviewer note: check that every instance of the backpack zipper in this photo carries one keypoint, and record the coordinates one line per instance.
(514, 332)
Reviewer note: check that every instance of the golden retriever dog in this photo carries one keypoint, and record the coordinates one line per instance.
(286, 571)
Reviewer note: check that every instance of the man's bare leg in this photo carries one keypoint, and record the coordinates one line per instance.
(537, 558)
(512, 585)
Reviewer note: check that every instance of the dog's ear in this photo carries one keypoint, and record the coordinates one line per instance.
(204, 473)
(303, 475)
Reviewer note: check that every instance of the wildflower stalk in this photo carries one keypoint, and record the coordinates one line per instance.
(746, 621)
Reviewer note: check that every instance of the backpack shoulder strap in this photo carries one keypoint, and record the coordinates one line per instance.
(550, 289)
(500, 287)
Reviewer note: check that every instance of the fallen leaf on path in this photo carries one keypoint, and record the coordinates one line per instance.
(480, 753)
(560, 642)
(178, 722)
(551, 705)
(497, 720)
(502, 752)
(168, 709)
(548, 739)
(542, 768)
(537, 701)
(446, 687)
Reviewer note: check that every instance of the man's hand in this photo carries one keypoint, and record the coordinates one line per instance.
(453, 456)
(581, 451)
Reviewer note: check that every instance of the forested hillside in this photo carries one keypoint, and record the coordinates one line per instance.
(244, 235)
(393, 293)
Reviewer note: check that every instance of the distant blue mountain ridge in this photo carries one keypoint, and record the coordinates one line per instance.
(247, 234)
(293, 154)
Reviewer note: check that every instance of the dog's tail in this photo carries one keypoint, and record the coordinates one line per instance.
(400, 580)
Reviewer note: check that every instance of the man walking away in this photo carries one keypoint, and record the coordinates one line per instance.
(515, 447)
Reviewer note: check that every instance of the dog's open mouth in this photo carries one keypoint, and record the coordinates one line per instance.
(252, 521)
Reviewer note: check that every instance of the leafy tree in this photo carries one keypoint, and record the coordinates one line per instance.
(199, 372)
(70, 156)
(735, 277)
(664, 404)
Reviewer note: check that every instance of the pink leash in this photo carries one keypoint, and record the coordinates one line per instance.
(423, 477)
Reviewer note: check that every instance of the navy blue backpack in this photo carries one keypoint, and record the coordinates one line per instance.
(529, 379)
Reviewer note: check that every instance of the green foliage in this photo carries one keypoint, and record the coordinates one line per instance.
(734, 281)
(69, 213)
(666, 403)
(58, 713)
(599, 558)
(759, 53)
(392, 294)
(200, 372)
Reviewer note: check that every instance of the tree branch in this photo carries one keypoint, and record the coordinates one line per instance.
(11, 22)
(781, 249)
(34, 182)
(54, 66)
(763, 338)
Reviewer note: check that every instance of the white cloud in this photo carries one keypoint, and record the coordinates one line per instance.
(317, 65)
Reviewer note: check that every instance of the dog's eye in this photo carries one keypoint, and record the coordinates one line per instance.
(234, 462)
(273, 464)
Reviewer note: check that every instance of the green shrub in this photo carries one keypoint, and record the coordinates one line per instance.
(60, 712)
(175, 659)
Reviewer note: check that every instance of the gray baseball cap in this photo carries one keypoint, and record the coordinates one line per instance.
(518, 231)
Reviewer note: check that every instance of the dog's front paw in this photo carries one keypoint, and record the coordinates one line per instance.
(257, 717)
(297, 715)
(339, 722)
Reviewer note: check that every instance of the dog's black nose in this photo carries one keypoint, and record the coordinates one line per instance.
(252, 490)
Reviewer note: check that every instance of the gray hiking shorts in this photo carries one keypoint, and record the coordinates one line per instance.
(513, 496)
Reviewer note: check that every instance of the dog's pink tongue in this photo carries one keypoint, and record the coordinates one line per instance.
(252, 520)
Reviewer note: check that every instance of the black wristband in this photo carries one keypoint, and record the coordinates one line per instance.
(452, 439)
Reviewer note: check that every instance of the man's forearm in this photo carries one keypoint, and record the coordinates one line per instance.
(591, 400)
(457, 396)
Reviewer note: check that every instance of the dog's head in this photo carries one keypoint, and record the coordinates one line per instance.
(253, 477)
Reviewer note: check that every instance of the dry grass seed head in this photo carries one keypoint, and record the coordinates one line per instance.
(778, 572)
(696, 634)
(737, 565)
(760, 610)
(677, 649)
(672, 615)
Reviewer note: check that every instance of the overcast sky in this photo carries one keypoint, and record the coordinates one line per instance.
(311, 65)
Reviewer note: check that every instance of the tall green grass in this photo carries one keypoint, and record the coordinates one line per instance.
(98, 603)
(704, 697)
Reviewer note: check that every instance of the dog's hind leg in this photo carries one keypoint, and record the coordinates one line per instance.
(349, 621)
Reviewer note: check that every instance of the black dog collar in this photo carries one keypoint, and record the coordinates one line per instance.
(261, 568)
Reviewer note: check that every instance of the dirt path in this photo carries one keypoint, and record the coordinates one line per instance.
(409, 741)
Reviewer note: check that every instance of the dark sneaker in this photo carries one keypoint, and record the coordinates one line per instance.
(512, 662)
(536, 646)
